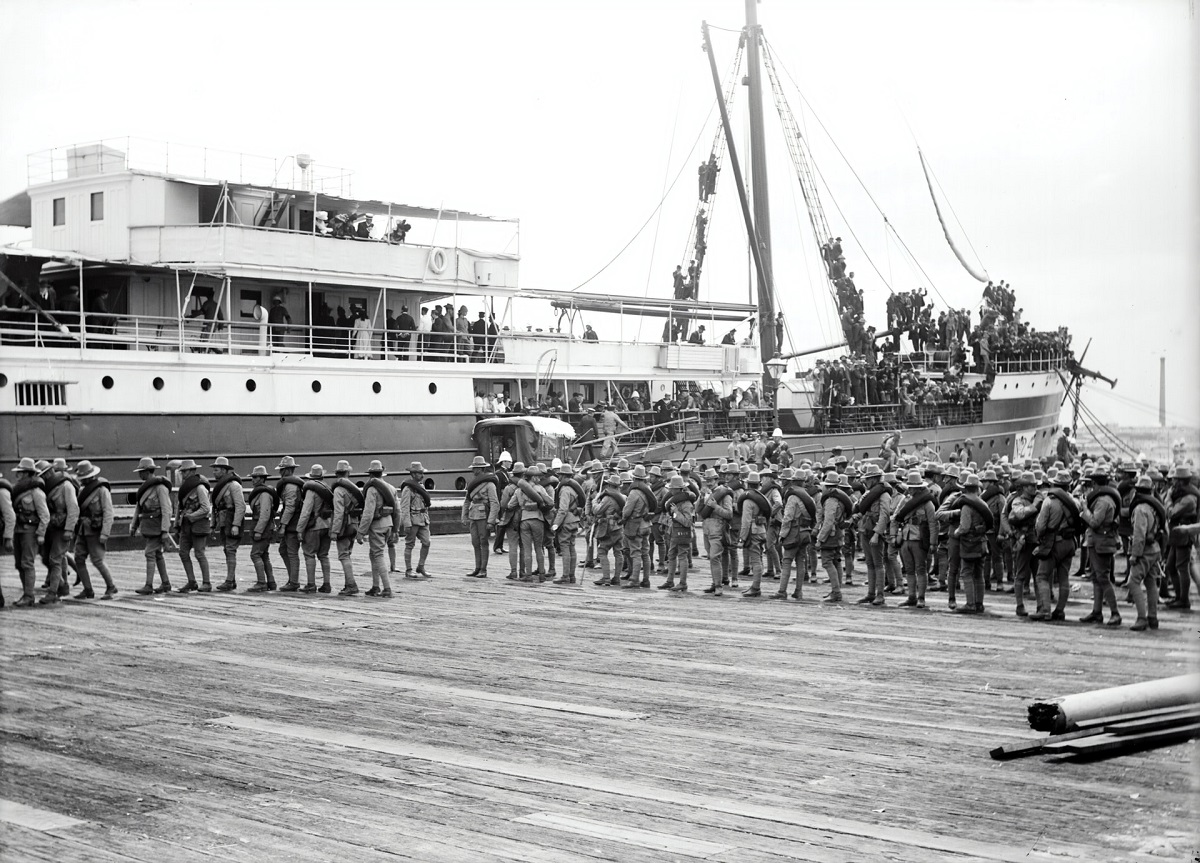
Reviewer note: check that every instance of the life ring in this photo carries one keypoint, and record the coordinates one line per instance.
(437, 261)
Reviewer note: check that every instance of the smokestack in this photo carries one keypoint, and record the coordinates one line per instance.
(1162, 392)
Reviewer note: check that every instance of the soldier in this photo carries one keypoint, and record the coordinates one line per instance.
(152, 516)
(795, 532)
(891, 564)
(290, 493)
(62, 502)
(93, 529)
(716, 512)
(771, 491)
(912, 525)
(413, 506)
(262, 504)
(1183, 511)
(834, 509)
(313, 526)
(229, 511)
(1101, 511)
(193, 524)
(1055, 530)
(751, 515)
(568, 510)
(659, 525)
(480, 510)
(606, 518)
(1149, 520)
(344, 525)
(639, 509)
(8, 521)
(32, 520)
(974, 523)
(548, 480)
(1018, 520)
(504, 467)
(680, 509)
(948, 560)
(592, 486)
(993, 562)
(872, 511)
(510, 521)
(393, 537)
(375, 526)
(532, 499)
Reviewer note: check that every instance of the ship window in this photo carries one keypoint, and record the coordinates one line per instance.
(97, 206)
(376, 388)
(460, 483)
(429, 483)
(205, 384)
(106, 382)
(251, 386)
(158, 383)
(991, 443)
(316, 386)
(1007, 441)
(3, 380)
(38, 394)
(432, 389)
(60, 211)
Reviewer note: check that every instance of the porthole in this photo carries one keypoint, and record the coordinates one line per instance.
(429, 483)
(106, 382)
(205, 384)
(159, 383)
(460, 484)
(3, 380)
(316, 386)
(1016, 386)
(1007, 441)
(1006, 386)
(376, 388)
(432, 388)
(991, 443)
(251, 386)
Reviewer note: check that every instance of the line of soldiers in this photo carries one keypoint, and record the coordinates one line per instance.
(924, 527)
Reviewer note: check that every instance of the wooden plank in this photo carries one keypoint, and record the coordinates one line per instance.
(671, 843)
(33, 818)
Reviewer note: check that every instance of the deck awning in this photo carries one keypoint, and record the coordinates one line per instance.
(646, 306)
(376, 208)
(16, 211)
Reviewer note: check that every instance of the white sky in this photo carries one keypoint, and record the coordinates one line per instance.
(1063, 134)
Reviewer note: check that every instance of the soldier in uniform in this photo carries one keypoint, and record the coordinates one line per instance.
(1056, 548)
(193, 524)
(568, 512)
(795, 532)
(911, 527)
(948, 561)
(290, 493)
(531, 499)
(1146, 514)
(510, 521)
(152, 517)
(716, 512)
(752, 530)
(606, 518)
(733, 482)
(229, 511)
(344, 525)
(681, 510)
(773, 493)
(636, 516)
(504, 467)
(1101, 511)
(413, 506)
(974, 522)
(834, 512)
(316, 513)
(993, 562)
(1183, 510)
(93, 529)
(32, 520)
(375, 526)
(548, 480)
(8, 521)
(262, 504)
(1018, 520)
(592, 486)
(872, 511)
(659, 524)
(480, 510)
(63, 504)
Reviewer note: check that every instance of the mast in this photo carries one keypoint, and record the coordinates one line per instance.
(758, 180)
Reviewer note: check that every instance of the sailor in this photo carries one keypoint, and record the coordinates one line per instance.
(344, 524)
(93, 529)
(261, 504)
(834, 509)
(376, 525)
(1149, 526)
(974, 522)
(290, 493)
(32, 520)
(413, 506)
(229, 511)
(531, 500)
(568, 511)
(193, 524)
(872, 511)
(62, 501)
(152, 517)
(316, 513)
(480, 511)
(1055, 530)
(639, 509)
(1100, 511)
(680, 507)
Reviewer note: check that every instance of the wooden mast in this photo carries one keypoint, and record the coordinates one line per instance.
(758, 180)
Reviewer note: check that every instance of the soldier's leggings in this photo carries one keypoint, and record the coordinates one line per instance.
(316, 548)
(516, 558)
(1023, 569)
(714, 542)
(289, 550)
(1055, 568)
(260, 556)
(344, 548)
(1145, 598)
(56, 554)
(874, 561)
(793, 555)
(479, 543)
(771, 547)
(1103, 591)
(88, 547)
(25, 546)
(913, 560)
(566, 548)
(831, 559)
(193, 543)
(533, 545)
(155, 559)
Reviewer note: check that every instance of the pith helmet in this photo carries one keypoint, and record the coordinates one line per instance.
(86, 470)
(504, 457)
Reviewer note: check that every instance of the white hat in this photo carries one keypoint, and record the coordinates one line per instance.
(504, 456)
(556, 463)
(635, 395)
(777, 433)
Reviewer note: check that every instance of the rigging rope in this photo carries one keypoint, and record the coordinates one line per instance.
(957, 220)
(981, 277)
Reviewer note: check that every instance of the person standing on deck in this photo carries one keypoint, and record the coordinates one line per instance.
(94, 527)
(32, 520)
(62, 501)
(716, 512)
(376, 526)
(680, 507)
(152, 516)
(795, 531)
(193, 524)
(1183, 510)
(413, 506)
(313, 526)
(262, 503)
(290, 492)
(510, 520)
(229, 511)
(344, 525)
(480, 510)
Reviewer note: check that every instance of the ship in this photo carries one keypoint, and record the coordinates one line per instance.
(209, 304)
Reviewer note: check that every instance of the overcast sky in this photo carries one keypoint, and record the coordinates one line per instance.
(1063, 135)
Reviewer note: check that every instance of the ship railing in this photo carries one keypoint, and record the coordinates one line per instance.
(1035, 361)
(888, 417)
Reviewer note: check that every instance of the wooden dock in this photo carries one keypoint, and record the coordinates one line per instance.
(479, 721)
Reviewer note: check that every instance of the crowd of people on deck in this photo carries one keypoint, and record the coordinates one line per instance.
(357, 226)
(972, 531)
